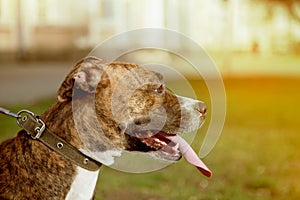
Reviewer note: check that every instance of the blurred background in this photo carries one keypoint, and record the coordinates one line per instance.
(255, 45)
(37, 29)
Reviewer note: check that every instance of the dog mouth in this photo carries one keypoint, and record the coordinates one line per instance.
(172, 147)
(161, 146)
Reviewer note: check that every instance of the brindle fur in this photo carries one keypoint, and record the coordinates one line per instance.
(30, 170)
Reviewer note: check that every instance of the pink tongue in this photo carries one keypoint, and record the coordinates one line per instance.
(190, 155)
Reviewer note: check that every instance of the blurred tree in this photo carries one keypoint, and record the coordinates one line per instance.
(293, 7)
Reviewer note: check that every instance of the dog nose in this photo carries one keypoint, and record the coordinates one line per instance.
(202, 108)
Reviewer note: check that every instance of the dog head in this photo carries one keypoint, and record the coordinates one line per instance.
(121, 106)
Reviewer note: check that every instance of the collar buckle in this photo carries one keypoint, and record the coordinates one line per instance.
(39, 126)
(37, 129)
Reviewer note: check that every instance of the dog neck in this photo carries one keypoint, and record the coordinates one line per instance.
(63, 126)
(66, 129)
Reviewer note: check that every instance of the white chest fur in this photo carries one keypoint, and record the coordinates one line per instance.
(83, 185)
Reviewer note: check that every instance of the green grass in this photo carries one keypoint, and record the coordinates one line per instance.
(257, 156)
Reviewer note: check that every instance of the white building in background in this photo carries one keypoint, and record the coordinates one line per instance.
(55, 27)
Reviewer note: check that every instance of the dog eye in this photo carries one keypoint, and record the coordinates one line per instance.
(160, 89)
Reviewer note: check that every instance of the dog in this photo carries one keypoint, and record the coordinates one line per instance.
(102, 109)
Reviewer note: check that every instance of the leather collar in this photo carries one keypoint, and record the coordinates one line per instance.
(36, 128)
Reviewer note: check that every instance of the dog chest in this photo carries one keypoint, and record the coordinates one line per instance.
(83, 185)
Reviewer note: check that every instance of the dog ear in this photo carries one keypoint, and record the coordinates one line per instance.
(84, 76)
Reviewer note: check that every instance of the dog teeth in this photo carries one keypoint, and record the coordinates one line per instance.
(159, 141)
(156, 140)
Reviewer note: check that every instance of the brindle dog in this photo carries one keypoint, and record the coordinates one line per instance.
(102, 109)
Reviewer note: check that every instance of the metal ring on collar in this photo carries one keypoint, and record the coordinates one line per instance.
(38, 130)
